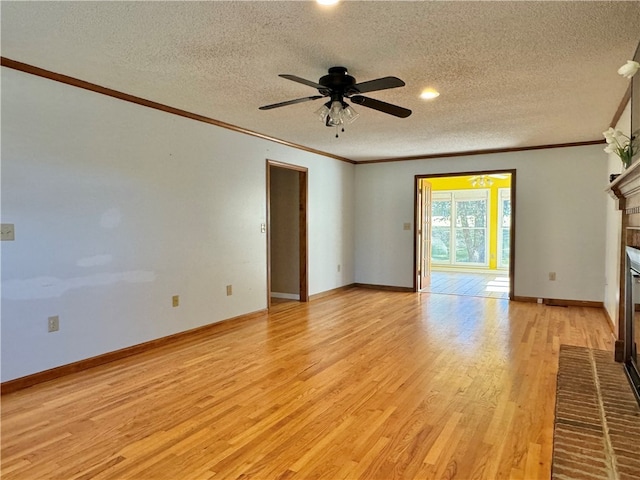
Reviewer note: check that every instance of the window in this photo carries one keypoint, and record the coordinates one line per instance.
(441, 227)
(462, 241)
(504, 226)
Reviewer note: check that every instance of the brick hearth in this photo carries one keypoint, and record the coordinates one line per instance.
(597, 427)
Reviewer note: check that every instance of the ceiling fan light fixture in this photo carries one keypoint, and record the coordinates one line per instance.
(338, 85)
(335, 114)
(482, 181)
(322, 113)
(349, 115)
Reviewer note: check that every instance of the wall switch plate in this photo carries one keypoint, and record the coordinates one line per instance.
(406, 226)
(339, 267)
(229, 290)
(53, 324)
(263, 227)
(552, 276)
(7, 232)
(175, 300)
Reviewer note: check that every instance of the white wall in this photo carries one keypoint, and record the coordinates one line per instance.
(285, 231)
(614, 231)
(117, 207)
(560, 219)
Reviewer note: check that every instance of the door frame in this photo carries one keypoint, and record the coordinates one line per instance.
(512, 237)
(303, 286)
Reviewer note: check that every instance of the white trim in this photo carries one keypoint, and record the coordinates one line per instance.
(503, 193)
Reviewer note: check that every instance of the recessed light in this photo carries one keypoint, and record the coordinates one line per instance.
(327, 2)
(429, 94)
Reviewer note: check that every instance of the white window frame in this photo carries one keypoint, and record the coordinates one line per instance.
(503, 194)
(458, 195)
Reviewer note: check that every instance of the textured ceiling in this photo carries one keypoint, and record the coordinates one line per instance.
(511, 74)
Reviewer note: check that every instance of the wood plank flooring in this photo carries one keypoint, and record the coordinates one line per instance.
(492, 285)
(361, 384)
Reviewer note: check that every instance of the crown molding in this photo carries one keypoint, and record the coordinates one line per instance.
(76, 82)
(484, 152)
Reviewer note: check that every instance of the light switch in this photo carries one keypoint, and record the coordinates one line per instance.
(7, 232)
(263, 227)
(406, 226)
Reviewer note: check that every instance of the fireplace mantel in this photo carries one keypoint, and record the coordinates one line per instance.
(626, 186)
(626, 191)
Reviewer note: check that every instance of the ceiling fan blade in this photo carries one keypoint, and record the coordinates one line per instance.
(301, 80)
(383, 107)
(378, 84)
(290, 102)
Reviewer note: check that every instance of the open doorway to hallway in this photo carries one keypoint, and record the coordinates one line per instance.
(465, 227)
(287, 256)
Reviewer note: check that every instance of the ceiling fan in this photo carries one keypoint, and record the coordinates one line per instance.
(485, 179)
(338, 85)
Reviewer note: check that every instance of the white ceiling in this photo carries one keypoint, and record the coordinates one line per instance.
(511, 74)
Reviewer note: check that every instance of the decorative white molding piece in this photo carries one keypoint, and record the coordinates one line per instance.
(626, 185)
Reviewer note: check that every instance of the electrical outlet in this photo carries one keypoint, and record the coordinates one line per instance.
(175, 300)
(406, 226)
(7, 232)
(54, 324)
(229, 290)
(552, 276)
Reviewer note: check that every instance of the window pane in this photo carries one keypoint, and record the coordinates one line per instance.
(441, 213)
(470, 245)
(471, 213)
(506, 213)
(441, 230)
(504, 251)
(504, 228)
(440, 240)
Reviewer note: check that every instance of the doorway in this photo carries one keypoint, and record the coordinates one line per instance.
(287, 253)
(465, 231)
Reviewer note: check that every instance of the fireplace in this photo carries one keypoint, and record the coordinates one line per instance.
(625, 189)
(632, 319)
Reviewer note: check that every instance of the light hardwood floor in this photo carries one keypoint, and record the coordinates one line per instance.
(493, 285)
(362, 384)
